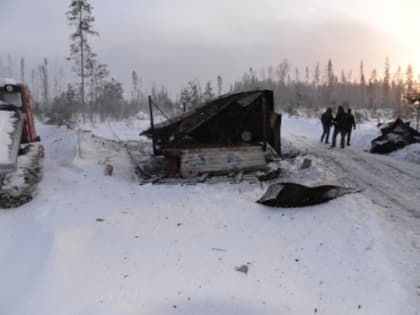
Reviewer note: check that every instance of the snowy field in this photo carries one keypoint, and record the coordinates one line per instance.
(95, 245)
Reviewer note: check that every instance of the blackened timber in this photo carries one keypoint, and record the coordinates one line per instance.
(152, 125)
(235, 119)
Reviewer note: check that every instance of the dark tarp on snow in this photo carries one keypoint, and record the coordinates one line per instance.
(291, 195)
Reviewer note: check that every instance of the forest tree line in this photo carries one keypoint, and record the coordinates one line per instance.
(311, 91)
(97, 96)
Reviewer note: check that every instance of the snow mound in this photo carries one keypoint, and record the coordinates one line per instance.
(5, 81)
(6, 128)
(409, 153)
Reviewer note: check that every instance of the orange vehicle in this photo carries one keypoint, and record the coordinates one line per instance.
(20, 150)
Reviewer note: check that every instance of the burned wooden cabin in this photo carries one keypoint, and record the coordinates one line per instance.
(229, 134)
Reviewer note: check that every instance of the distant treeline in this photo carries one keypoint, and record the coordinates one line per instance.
(311, 91)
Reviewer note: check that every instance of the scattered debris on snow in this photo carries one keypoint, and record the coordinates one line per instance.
(290, 195)
(395, 135)
(244, 269)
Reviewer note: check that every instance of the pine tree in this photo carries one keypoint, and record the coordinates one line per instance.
(330, 73)
(282, 71)
(80, 17)
(208, 92)
(270, 71)
(34, 85)
(9, 66)
(373, 81)
(362, 74)
(386, 82)
(317, 74)
(315, 84)
(219, 85)
(409, 79)
(195, 93)
(45, 87)
(135, 94)
(330, 82)
(343, 77)
(22, 70)
(362, 85)
(185, 99)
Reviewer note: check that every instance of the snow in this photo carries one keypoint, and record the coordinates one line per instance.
(312, 129)
(409, 153)
(6, 128)
(5, 81)
(174, 249)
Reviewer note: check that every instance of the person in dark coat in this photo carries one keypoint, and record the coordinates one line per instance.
(327, 121)
(339, 126)
(349, 124)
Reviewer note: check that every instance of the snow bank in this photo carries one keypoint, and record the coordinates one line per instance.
(409, 153)
(6, 128)
(4, 81)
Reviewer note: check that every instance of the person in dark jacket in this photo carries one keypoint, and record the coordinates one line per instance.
(339, 126)
(327, 121)
(349, 124)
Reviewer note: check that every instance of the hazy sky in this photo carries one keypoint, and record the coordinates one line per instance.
(172, 41)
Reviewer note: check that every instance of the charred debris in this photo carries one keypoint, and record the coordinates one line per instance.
(232, 138)
(394, 136)
(291, 195)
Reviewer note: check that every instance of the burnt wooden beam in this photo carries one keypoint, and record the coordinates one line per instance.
(152, 125)
(264, 121)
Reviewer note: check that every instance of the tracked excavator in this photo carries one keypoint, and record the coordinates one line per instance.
(21, 152)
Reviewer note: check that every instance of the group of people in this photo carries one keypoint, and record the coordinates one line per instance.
(343, 123)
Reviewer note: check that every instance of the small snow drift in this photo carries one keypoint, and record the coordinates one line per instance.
(291, 195)
(395, 135)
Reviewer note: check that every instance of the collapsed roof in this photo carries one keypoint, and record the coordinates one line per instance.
(242, 118)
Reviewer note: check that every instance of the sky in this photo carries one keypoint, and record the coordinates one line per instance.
(169, 42)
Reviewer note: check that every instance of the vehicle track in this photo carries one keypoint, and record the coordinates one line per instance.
(390, 183)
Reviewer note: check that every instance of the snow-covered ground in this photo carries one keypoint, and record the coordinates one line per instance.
(409, 153)
(95, 245)
(311, 128)
(6, 128)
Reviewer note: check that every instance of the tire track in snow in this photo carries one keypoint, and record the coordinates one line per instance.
(393, 185)
(387, 182)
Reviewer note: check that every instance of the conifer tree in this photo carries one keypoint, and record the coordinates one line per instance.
(22, 70)
(80, 17)
(219, 85)
(386, 82)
